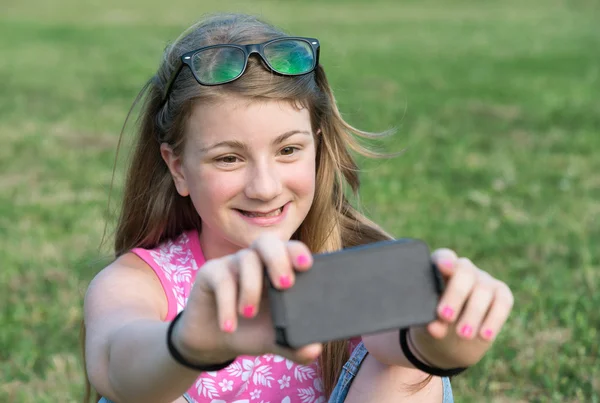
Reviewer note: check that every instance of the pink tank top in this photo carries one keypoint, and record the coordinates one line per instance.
(268, 378)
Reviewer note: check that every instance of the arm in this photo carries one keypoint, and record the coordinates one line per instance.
(385, 347)
(126, 353)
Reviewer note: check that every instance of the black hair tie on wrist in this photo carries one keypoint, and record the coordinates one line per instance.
(422, 366)
(179, 358)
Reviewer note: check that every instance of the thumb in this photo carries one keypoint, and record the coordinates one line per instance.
(304, 355)
(445, 260)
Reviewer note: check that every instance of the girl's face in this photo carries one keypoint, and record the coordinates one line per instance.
(249, 167)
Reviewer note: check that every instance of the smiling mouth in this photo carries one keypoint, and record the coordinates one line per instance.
(252, 214)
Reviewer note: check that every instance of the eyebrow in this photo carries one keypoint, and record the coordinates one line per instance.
(240, 145)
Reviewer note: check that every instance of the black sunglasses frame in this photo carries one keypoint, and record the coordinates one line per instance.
(258, 48)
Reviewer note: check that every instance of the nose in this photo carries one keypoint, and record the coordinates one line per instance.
(263, 182)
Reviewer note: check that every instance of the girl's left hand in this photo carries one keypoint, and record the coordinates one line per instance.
(471, 312)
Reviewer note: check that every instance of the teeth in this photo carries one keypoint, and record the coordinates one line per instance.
(271, 214)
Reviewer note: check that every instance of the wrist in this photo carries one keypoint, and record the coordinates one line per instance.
(409, 350)
(430, 351)
(416, 351)
(192, 350)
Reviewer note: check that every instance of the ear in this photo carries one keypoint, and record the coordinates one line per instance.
(174, 162)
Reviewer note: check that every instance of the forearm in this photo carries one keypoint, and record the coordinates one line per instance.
(385, 347)
(452, 353)
(140, 368)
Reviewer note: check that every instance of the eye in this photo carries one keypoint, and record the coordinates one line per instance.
(288, 150)
(228, 159)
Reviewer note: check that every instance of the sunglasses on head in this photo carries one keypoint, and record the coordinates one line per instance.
(220, 64)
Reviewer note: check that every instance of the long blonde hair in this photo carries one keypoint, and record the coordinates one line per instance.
(152, 210)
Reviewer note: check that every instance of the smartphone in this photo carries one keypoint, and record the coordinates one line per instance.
(361, 290)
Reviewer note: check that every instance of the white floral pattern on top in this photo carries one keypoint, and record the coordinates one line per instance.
(265, 379)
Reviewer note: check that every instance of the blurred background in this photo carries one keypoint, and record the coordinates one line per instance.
(496, 104)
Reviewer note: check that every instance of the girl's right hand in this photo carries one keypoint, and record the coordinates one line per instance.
(227, 313)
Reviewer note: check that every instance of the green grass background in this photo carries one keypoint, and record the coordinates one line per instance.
(496, 103)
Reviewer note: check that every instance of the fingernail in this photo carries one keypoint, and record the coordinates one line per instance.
(302, 260)
(285, 281)
(466, 331)
(488, 334)
(228, 326)
(446, 263)
(447, 312)
(249, 311)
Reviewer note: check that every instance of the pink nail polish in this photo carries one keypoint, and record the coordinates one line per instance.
(447, 312)
(446, 263)
(466, 331)
(285, 281)
(488, 334)
(249, 311)
(302, 260)
(228, 326)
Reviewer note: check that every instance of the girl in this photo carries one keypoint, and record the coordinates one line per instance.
(241, 163)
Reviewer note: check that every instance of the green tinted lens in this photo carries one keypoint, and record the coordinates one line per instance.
(218, 65)
(290, 56)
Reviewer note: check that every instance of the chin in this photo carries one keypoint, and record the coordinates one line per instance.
(251, 235)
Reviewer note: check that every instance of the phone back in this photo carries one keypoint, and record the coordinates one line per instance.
(367, 289)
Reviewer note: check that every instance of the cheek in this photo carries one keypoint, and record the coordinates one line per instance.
(211, 189)
(301, 178)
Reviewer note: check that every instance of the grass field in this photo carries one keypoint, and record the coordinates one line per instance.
(496, 103)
